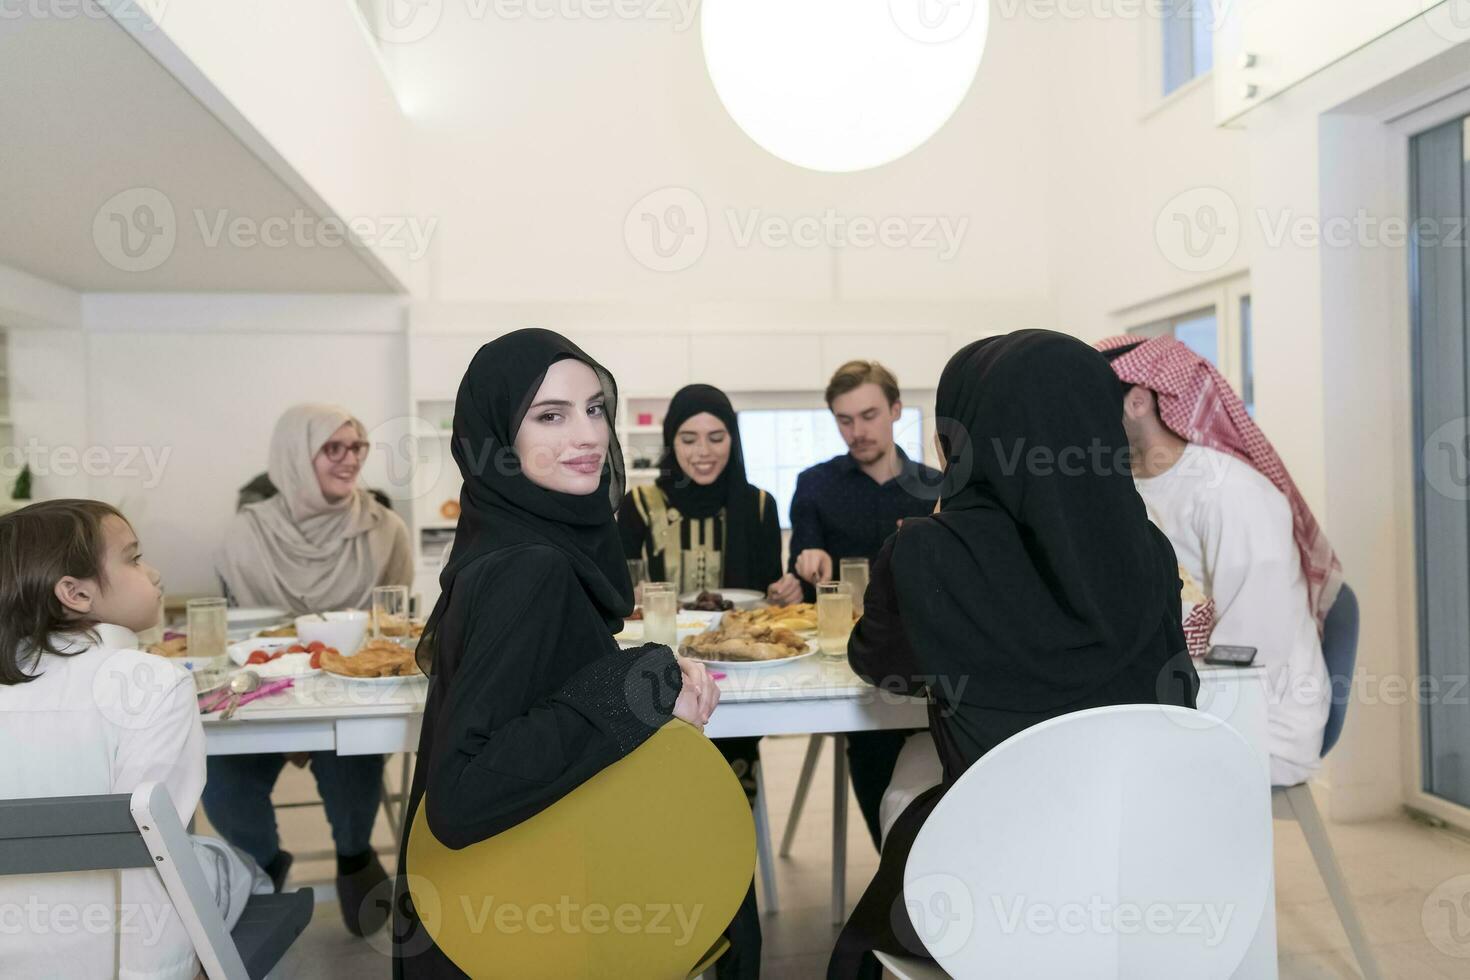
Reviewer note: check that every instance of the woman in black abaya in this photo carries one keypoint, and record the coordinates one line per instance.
(1039, 588)
(529, 694)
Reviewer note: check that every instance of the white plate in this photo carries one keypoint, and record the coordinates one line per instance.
(240, 652)
(729, 665)
(743, 598)
(688, 622)
(404, 678)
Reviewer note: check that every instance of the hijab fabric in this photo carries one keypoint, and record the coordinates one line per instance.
(500, 507)
(730, 492)
(1197, 404)
(1042, 560)
(297, 549)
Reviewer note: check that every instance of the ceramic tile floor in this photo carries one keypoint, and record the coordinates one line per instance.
(1392, 867)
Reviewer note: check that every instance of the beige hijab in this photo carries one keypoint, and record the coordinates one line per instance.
(301, 552)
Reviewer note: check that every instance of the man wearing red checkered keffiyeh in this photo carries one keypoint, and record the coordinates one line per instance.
(1240, 528)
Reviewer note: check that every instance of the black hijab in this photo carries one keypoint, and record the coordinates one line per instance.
(731, 491)
(1042, 565)
(500, 507)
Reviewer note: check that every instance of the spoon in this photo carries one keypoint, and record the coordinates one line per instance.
(240, 685)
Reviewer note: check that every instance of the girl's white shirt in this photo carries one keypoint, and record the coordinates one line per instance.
(101, 720)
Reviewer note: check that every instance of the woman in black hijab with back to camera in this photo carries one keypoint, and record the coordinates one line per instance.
(529, 694)
(1039, 588)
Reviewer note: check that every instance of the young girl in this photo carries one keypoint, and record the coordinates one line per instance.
(83, 712)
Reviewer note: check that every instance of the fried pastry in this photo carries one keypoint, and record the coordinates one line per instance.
(375, 658)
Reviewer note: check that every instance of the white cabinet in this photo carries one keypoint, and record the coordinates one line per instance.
(1264, 47)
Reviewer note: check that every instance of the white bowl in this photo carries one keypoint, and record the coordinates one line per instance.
(343, 629)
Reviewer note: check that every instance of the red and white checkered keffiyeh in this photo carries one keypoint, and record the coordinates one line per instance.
(1196, 403)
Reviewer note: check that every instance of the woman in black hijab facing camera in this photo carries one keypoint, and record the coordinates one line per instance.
(1039, 588)
(529, 694)
(704, 527)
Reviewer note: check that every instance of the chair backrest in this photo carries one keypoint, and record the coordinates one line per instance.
(635, 873)
(1340, 651)
(1128, 841)
(119, 832)
(69, 833)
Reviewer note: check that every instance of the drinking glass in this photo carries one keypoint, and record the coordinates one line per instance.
(209, 628)
(637, 574)
(390, 610)
(834, 617)
(661, 614)
(855, 572)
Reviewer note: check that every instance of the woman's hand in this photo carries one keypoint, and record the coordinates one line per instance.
(698, 696)
(785, 590)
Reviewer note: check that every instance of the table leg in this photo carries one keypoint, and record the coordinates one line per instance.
(839, 829)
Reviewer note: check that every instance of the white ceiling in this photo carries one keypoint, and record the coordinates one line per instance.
(86, 114)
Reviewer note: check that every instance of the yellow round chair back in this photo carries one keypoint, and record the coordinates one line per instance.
(635, 873)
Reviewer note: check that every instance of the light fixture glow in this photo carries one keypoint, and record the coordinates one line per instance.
(842, 85)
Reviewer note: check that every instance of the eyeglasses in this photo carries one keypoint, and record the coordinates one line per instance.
(334, 451)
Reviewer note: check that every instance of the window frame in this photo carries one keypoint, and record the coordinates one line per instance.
(1223, 297)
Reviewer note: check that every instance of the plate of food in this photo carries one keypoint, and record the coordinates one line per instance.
(722, 601)
(378, 661)
(800, 618)
(278, 658)
(745, 646)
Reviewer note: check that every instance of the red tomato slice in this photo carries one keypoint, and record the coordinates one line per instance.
(316, 660)
(315, 646)
(257, 657)
(277, 655)
(297, 648)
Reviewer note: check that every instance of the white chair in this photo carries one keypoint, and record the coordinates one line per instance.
(1129, 841)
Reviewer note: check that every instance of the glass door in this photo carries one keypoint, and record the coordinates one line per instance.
(1438, 282)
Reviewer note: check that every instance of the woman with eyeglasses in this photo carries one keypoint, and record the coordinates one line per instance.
(319, 542)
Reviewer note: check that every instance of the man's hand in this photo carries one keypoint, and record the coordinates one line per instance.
(785, 591)
(814, 565)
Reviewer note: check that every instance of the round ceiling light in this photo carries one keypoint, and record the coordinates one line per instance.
(842, 85)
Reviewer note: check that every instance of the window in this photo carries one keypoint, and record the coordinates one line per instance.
(1189, 49)
(1198, 331)
(780, 443)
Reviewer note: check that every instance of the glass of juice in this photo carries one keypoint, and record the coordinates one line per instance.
(661, 614)
(834, 618)
(209, 628)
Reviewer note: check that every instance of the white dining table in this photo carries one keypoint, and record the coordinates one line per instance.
(810, 695)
